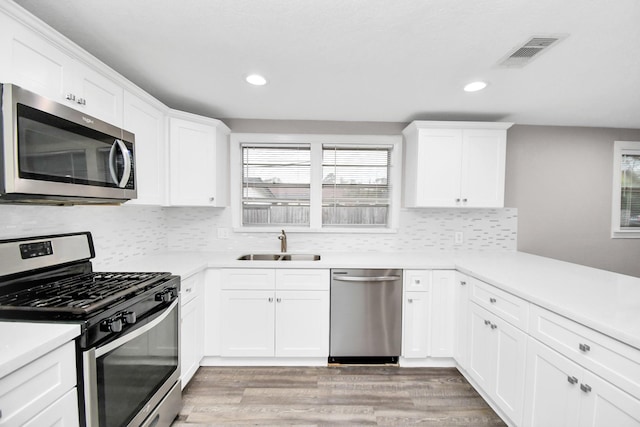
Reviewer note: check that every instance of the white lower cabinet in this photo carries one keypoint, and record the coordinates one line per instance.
(43, 392)
(497, 357)
(415, 336)
(267, 321)
(191, 326)
(562, 393)
(461, 327)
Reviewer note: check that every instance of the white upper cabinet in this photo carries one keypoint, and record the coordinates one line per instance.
(198, 161)
(148, 125)
(38, 65)
(454, 164)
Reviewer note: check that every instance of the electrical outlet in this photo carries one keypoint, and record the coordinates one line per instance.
(223, 233)
(458, 238)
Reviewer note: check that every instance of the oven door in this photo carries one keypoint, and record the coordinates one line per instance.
(126, 379)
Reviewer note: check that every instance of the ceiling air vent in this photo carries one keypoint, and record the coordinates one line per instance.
(522, 55)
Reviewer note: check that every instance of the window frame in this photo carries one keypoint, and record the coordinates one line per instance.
(316, 142)
(619, 149)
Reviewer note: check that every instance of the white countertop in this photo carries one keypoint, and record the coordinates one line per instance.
(604, 301)
(23, 342)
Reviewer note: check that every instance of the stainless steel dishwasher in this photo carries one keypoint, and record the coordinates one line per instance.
(366, 315)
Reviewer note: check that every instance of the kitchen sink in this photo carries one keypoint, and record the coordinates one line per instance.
(279, 257)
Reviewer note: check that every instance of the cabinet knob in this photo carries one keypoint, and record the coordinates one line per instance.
(410, 300)
(270, 299)
(457, 200)
(572, 380)
(82, 101)
(585, 387)
(584, 347)
(492, 300)
(278, 300)
(487, 322)
(463, 283)
(70, 97)
(464, 200)
(494, 326)
(417, 281)
(211, 199)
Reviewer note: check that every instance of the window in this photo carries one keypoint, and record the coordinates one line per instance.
(626, 189)
(355, 185)
(276, 183)
(315, 182)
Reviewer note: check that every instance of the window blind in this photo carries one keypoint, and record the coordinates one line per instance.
(276, 185)
(630, 191)
(355, 185)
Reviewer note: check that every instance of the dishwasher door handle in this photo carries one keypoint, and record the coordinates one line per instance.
(366, 279)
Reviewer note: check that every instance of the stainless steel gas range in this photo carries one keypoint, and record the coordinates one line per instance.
(128, 352)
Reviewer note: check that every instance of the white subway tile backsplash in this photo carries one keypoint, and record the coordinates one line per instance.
(121, 232)
(420, 230)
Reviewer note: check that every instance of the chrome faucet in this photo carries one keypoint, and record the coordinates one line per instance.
(283, 241)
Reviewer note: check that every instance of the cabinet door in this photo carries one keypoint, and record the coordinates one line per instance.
(552, 388)
(302, 324)
(192, 163)
(461, 287)
(603, 404)
(482, 348)
(439, 165)
(95, 94)
(415, 339)
(190, 342)
(483, 168)
(147, 123)
(442, 313)
(511, 357)
(248, 323)
(37, 65)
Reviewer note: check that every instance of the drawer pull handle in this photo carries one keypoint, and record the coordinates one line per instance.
(494, 326)
(572, 380)
(584, 347)
(463, 283)
(585, 387)
(492, 300)
(487, 322)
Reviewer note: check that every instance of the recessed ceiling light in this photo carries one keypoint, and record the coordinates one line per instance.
(475, 86)
(256, 79)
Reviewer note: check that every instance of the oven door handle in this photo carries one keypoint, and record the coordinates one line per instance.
(136, 333)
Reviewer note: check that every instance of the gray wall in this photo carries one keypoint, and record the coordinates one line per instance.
(560, 179)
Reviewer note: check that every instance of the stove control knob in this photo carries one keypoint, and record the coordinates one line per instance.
(129, 317)
(112, 325)
(164, 296)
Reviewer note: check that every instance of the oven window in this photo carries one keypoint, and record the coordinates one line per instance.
(129, 375)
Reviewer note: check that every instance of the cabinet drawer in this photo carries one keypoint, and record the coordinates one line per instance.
(302, 279)
(190, 287)
(63, 413)
(616, 362)
(249, 278)
(509, 307)
(29, 390)
(417, 280)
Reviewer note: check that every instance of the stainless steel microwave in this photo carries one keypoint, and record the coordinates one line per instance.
(53, 154)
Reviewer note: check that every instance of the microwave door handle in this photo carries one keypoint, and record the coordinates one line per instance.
(127, 163)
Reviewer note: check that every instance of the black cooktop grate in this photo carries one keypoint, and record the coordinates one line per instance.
(80, 294)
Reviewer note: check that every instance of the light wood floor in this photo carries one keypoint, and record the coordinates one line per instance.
(354, 395)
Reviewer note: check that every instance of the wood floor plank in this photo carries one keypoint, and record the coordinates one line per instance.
(343, 395)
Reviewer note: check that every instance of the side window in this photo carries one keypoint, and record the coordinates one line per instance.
(626, 189)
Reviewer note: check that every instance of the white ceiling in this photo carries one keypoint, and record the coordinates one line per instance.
(368, 60)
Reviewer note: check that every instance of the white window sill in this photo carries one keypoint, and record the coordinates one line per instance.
(345, 230)
(631, 234)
